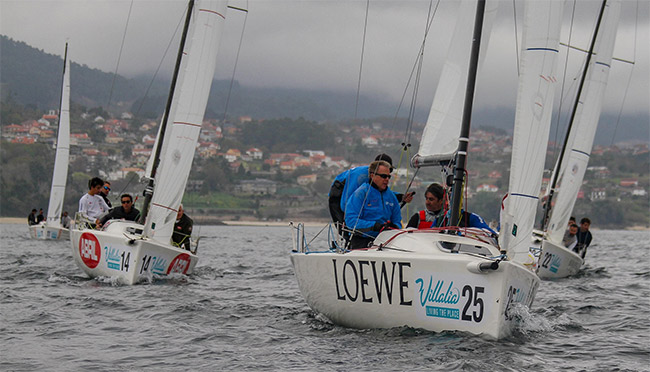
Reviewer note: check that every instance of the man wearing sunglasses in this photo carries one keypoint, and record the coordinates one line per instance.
(346, 183)
(104, 193)
(125, 212)
(373, 207)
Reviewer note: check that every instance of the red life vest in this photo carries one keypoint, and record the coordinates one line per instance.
(424, 224)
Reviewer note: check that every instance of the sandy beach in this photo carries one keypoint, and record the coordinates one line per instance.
(13, 220)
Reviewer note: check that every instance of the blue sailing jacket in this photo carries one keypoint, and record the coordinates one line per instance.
(363, 211)
(474, 221)
(351, 179)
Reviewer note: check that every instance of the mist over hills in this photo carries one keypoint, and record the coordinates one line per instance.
(30, 76)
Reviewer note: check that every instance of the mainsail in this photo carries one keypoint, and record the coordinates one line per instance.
(60, 174)
(440, 136)
(185, 117)
(537, 81)
(583, 130)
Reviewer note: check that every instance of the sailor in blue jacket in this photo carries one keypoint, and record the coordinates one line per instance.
(467, 219)
(373, 207)
(346, 183)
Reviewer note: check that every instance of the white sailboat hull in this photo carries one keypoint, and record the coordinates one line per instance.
(557, 262)
(46, 232)
(413, 282)
(120, 252)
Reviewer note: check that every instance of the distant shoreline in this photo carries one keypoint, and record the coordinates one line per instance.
(212, 222)
(19, 221)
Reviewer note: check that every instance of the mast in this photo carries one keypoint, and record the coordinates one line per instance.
(463, 142)
(556, 173)
(148, 191)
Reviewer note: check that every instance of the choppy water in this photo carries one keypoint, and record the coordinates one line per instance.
(242, 310)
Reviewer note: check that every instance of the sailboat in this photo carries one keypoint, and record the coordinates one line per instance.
(439, 279)
(555, 260)
(129, 251)
(51, 227)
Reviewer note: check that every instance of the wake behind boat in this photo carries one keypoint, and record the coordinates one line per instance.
(129, 251)
(440, 279)
(51, 227)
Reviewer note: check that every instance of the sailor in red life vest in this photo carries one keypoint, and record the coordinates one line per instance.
(433, 201)
(434, 214)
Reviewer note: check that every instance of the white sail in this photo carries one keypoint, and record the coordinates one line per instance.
(185, 117)
(537, 82)
(60, 174)
(583, 131)
(442, 131)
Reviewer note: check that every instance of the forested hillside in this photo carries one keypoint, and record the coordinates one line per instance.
(33, 77)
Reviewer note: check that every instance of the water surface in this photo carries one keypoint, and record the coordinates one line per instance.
(242, 310)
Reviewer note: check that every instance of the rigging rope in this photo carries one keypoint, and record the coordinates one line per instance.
(629, 80)
(430, 17)
(363, 47)
(414, 96)
(119, 57)
(417, 69)
(162, 59)
(559, 109)
(241, 38)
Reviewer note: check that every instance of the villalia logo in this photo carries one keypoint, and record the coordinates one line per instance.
(556, 261)
(159, 265)
(112, 258)
(440, 294)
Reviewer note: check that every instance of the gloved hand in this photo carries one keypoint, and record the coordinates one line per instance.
(383, 226)
(390, 225)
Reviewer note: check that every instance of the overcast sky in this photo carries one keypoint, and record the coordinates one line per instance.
(317, 44)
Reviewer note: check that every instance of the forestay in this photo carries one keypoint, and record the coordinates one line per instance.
(583, 131)
(186, 114)
(440, 136)
(60, 174)
(537, 82)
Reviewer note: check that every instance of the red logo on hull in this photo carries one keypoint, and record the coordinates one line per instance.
(89, 250)
(180, 264)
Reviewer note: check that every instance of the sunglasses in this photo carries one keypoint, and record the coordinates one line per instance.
(107, 188)
(384, 176)
(126, 202)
